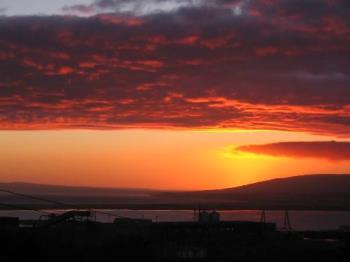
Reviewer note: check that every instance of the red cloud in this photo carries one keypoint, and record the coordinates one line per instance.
(334, 151)
(111, 19)
(284, 66)
(65, 70)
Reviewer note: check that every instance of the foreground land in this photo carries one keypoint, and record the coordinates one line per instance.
(142, 240)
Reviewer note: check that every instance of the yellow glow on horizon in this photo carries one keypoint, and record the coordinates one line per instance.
(232, 152)
(143, 158)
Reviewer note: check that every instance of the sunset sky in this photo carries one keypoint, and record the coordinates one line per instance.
(173, 94)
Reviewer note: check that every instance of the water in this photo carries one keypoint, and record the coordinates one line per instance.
(300, 220)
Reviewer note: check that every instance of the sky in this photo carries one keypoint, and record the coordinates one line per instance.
(173, 94)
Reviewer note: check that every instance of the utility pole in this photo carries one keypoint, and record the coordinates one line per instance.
(263, 217)
(287, 224)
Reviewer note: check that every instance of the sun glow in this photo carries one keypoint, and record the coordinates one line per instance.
(165, 159)
(232, 152)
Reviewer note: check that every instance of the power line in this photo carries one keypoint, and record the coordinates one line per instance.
(24, 208)
(106, 213)
(53, 202)
(37, 198)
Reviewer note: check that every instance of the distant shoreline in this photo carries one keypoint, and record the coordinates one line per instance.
(173, 207)
(325, 192)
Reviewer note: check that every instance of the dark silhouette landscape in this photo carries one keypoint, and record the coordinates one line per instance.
(308, 192)
(74, 232)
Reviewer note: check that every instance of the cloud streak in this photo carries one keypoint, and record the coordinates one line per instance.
(135, 7)
(333, 151)
(281, 65)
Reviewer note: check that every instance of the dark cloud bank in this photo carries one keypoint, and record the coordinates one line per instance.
(267, 64)
(334, 151)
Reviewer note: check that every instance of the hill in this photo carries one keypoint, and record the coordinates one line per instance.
(319, 192)
(43, 189)
(326, 191)
(306, 184)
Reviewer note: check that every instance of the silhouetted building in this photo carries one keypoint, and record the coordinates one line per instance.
(344, 228)
(206, 217)
(9, 222)
(132, 221)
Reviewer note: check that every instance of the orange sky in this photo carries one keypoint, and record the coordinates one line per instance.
(151, 158)
(101, 95)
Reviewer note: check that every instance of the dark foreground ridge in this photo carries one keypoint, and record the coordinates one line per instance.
(309, 192)
(75, 236)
